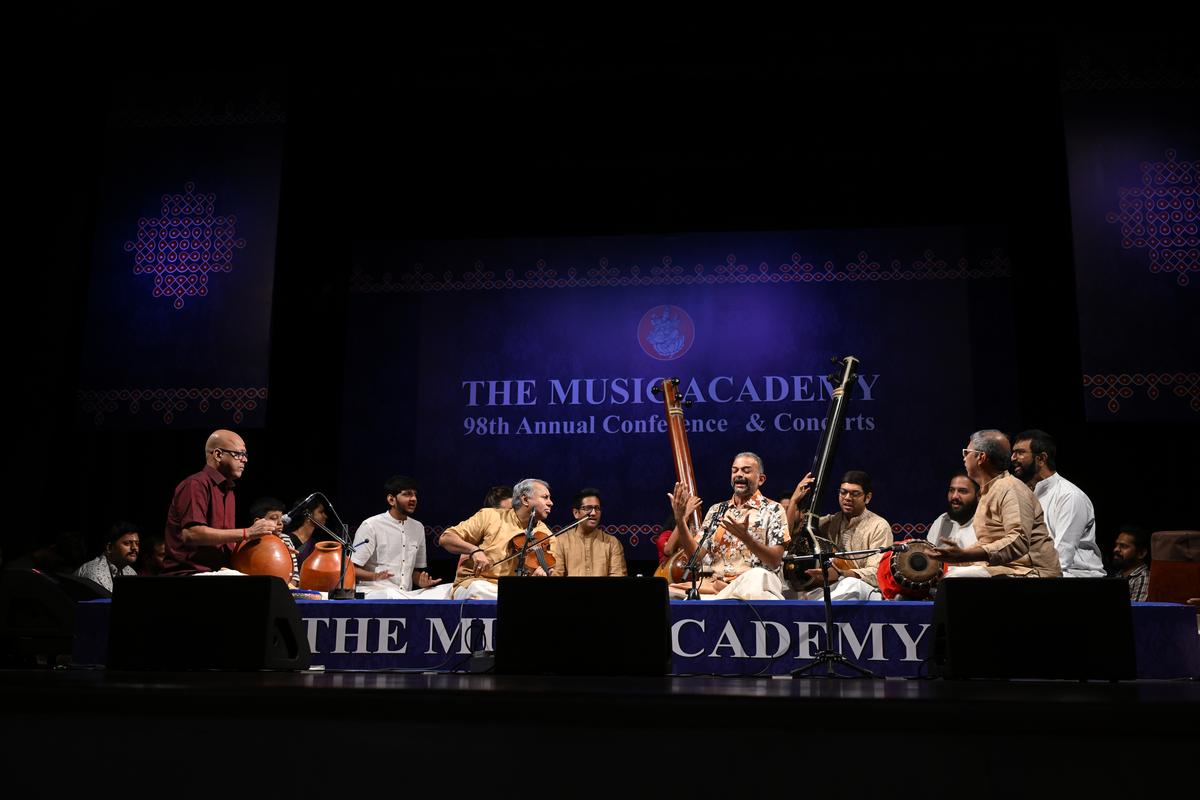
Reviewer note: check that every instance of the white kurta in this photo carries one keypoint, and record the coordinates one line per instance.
(1072, 524)
(961, 535)
(383, 542)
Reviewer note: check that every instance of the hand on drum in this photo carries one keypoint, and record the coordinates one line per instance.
(262, 527)
(950, 553)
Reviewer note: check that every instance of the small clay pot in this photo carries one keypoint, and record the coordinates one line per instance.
(321, 569)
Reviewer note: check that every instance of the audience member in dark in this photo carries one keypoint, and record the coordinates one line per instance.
(121, 547)
(62, 557)
(1131, 560)
(304, 533)
(151, 556)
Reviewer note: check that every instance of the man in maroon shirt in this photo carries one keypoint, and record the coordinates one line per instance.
(201, 528)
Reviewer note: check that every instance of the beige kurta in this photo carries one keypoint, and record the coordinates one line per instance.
(1009, 525)
(867, 531)
(593, 554)
(490, 529)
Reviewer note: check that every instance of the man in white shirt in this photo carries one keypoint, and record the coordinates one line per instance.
(1069, 513)
(389, 549)
(957, 524)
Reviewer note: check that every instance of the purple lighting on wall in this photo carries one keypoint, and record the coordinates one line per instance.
(185, 243)
(1163, 216)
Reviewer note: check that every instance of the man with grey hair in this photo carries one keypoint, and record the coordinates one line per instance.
(746, 550)
(1010, 531)
(484, 539)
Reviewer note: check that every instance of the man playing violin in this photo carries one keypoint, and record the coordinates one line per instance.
(485, 538)
(746, 550)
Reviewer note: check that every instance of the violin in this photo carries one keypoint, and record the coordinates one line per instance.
(537, 551)
(535, 544)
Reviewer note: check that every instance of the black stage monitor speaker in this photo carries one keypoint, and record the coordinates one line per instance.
(205, 622)
(1047, 628)
(583, 626)
(37, 612)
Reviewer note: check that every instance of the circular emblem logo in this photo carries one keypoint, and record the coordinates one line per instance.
(666, 332)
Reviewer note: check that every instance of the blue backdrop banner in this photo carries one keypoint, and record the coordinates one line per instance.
(477, 363)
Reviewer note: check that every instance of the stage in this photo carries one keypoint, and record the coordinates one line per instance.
(286, 732)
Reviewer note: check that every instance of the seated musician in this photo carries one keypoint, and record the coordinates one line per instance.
(484, 539)
(498, 497)
(201, 532)
(746, 550)
(587, 550)
(957, 523)
(389, 549)
(853, 527)
(1011, 534)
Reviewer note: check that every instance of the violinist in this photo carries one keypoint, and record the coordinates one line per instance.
(747, 546)
(588, 551)
(485, 538)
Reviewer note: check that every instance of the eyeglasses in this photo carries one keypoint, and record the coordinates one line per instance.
(589, 509)
(977, 452)
(239, 455)
(855, 493)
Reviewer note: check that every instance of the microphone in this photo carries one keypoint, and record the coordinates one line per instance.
(300, 508)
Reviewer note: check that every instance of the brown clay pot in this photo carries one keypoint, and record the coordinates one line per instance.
(266, 555)
(321, 569)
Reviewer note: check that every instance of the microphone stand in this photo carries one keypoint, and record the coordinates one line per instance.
(533, 521)
(693, 563)
(828, 658)
(339, 592)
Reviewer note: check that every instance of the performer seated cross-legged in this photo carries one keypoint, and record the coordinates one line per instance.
(389, 549)
(746, 550)
(853, 527)
(1010, 529)
(588, 551)
(484, 538)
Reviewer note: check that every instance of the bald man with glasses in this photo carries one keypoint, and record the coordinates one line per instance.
(201, 530)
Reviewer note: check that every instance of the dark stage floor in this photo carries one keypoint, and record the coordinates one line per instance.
(439, 727)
